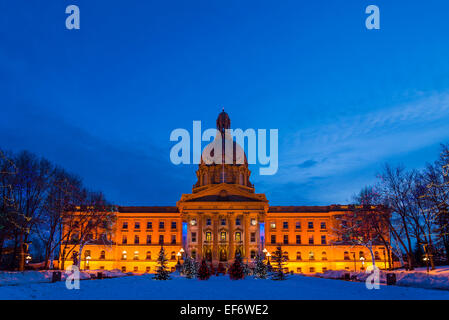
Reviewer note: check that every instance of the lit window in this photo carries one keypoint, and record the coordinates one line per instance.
(238, 237)
(208, 236)
(193, 222)
(136, 255)
(223, 236)
(311, 255)
(273, 225)
(253, 222)
(124, 255)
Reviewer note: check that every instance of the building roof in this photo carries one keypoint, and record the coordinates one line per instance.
(152, 209)
(300, 209)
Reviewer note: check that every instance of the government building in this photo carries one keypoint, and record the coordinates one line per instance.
(223, 217)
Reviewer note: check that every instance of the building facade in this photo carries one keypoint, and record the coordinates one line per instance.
(224, 217)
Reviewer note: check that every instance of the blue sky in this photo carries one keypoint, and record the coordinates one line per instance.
(101, 101)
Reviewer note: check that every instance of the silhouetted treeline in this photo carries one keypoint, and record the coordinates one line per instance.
(34, 195)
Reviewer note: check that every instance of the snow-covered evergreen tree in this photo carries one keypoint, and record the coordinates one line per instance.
(260, 268)
(279, 258)
(190, 268)
(162, 272)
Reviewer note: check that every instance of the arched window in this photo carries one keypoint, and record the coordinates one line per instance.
(311, 255)
(148, 257)
(324, 256)
(298, 255)
(208, 236)
(124, 255)
(223, 236)
(173, 255)
(102, 255)
(346, 255)
(238, 237)
(376, 255)
(361, 254)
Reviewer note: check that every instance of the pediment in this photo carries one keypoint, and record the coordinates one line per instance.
(223, 193)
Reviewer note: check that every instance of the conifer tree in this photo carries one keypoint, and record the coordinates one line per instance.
(236, 271)
(203, 271)
(260, 268)
(162, 269)
(190, 268)
(279, 258)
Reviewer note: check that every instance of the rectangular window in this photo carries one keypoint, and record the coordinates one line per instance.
(312, 270)
(136, 239)
(323, 239)
(273, 225)
(298, 239)
(310, 224)
(208, 221)
(310, 239)
(124, 240)
(273, 239)
(223, 222)
(161, 225)
(161, 239)
(253, 237)
(285, 225)
(298, 225)
(137, 225)
(285, 239)
(125, 225)
(173, 224)
(149, 239)
(237, 222)
(173, 239)
(323, 225)
(193, 236)
(149, 225)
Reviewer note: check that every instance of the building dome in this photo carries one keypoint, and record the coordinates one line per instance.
(219, 150)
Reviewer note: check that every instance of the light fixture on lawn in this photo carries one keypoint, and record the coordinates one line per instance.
(362, 259)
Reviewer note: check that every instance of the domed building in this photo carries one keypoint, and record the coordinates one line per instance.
(223, 218)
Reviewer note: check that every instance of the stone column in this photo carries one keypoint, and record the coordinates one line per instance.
(231, 253)
(246, 235)
(215, 236)
(199, 219)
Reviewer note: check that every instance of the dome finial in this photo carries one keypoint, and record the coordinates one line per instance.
(223, 121)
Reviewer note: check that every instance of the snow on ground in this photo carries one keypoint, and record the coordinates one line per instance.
(435, 279)
(144, 287)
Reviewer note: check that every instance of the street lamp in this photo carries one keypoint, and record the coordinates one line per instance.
(362, 259)
(268, 257)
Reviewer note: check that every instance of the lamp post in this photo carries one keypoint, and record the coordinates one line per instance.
(268, 258)
(426, 256)
(362, 259)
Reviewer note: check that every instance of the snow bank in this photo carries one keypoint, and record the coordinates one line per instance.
(15, 278)
(438, 279)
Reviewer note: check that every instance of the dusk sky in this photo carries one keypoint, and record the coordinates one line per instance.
(102, 101)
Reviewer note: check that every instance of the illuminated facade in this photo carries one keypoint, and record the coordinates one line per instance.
(222, 217)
